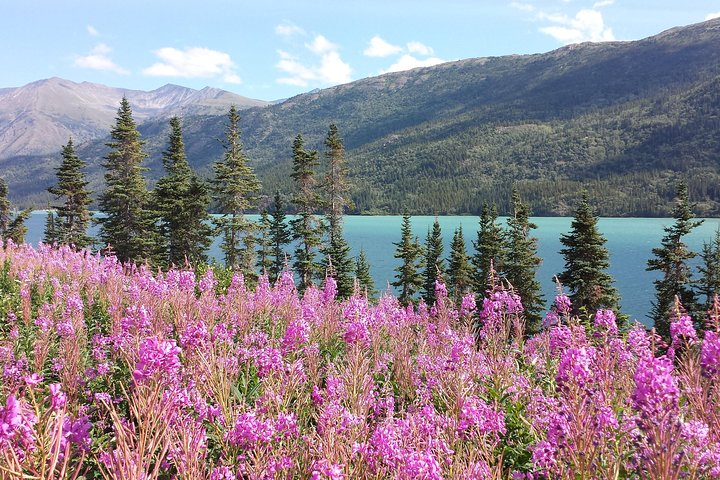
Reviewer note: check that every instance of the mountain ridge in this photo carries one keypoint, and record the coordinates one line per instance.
(623, 119)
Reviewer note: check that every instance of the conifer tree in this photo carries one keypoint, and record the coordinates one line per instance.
(337, 261)
(521, 262)
(128, 225)
(264, 261)
(280, 235)
(12, 226)
(409, 278)
(586, 263)
(181, 200)
(235, 190)
(72, 218)
(709, 282)
(671, 261)
(459, 267)
(489, 250)
(50, 235)
(305, 227)
(362, 276)
(434, 263)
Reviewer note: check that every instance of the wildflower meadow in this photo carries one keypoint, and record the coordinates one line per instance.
(116, 371)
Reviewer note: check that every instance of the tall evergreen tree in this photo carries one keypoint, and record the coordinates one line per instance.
(586, 263)
(671, 261)
(181, 200)
(489, 250)
(362, 275)
(280, 235)
(337, 262)
(522, 262)
(235, 190)
(434, 263)
(409, 278)
(72, 217)
(128, 225)
(305, 227)
(50, 235)
(264, 254)
(459, 267)
(12, 226)
(709, 282)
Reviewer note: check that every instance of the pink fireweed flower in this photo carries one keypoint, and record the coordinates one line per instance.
(17, 422)
(543, 457)
(638, 341)
(33, 379)
(656, 389)
(683, 331)
(468, 305)
(710, 354)
(329, 290)
(576, 366)
(323, 469)
(58, 399)
(563, 304)
(296, 334)
(605, 322)
(440, 289)
(157, 357)
(479, 418)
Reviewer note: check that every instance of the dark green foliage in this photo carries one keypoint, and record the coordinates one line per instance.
(128, 227)
(489, 250)
(50, 235)
(181, 200)
(363, 277)
(409, 278)
(17, 229)
(280, 235)
(521, 263)
(337, 261)
(265, 250)
(434, 263)
(5, 208)
(459, 270)
(306, 228)
(709, 282)
(586, 262)
(671, 261)
(235, 190)
(73, 215)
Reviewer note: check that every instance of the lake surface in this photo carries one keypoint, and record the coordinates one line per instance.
(629, 240)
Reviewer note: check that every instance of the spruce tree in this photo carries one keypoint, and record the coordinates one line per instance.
(235, 190)
(709, 282)
(362, 276)
(434, 263)
(489, 250)
(128, 225)
(5, 208)
(305, 227)
(409, 278)
(586, 263)
(50, 235)
(459, 267)
(12, 226)
(522, 262)
(280, 235)
(181, 200)
(671, 261)
(337, 261)
(264, 254)
(72, 217)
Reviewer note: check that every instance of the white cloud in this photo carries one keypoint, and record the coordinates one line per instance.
(380, 48)
(524, 7)
(193, 62)
(99, 59)
(407, 62)
(587, 25)
(92, 31)
(419, 48)
(328, 69)
(603, 3)
(710, 16)
(288, 30)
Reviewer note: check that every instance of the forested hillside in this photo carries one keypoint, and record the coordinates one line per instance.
(623, 119)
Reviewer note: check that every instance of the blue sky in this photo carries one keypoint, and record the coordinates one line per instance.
(274, 49)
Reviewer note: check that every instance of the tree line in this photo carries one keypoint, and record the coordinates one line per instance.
(171, 226)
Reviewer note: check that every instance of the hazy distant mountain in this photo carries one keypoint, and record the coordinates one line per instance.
(623, 119)
(38, 117)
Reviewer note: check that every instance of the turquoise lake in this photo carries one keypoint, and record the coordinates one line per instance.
(629, 240)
